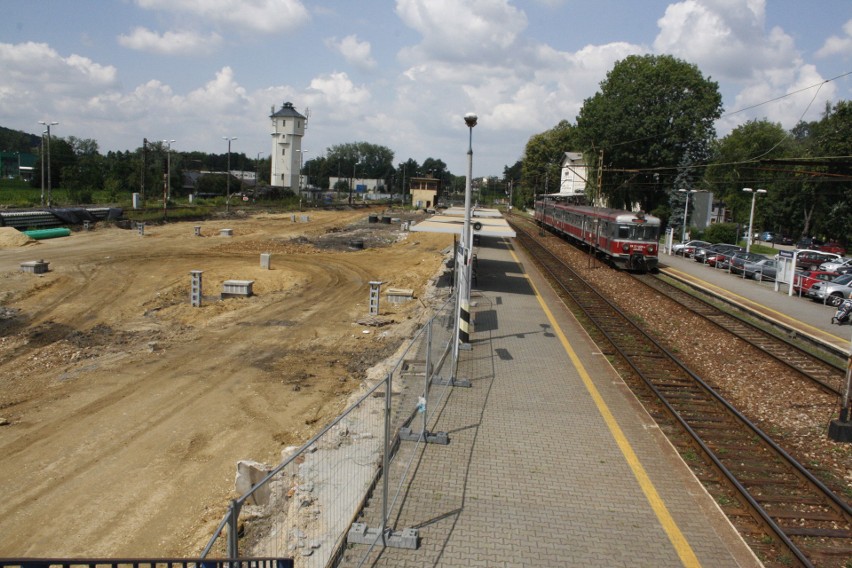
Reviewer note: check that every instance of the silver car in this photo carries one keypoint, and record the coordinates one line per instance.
(765, 269)
(833, 265)
(832, 292)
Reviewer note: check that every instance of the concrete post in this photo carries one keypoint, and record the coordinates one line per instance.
(375, 287)
(195, 288)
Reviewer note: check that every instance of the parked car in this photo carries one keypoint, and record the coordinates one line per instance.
(767, 236)
(740, 258)
(836, 248)
(765, 269)
(833, 292)
(687, 249)
(702, 253)
(812, 259)
(785, 239)
(722, 258)
(802, 281)
(808, 243)
(835, 265)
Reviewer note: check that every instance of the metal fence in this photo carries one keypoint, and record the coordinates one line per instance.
(304, 506)
(145, 563)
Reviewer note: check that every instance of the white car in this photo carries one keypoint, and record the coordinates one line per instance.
(833, 265)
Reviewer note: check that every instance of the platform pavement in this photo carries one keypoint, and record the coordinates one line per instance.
(551, 460)
(808, 317)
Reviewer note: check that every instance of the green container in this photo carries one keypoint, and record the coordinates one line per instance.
(39, 234)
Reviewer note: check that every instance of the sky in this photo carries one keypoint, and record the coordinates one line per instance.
(397, 73)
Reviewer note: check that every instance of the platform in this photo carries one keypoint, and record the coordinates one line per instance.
(806, 316)
(551, 460)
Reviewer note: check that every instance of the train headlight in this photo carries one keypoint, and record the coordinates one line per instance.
(652, 249)
(625, 247)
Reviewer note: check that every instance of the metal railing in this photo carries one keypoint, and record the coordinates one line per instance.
(304, 506)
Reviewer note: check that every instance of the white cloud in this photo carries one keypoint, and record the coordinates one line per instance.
(265, 16)
(38, 80)
(837, 45)
(170, 43)
(355, 52)
(478, 30)
(338, 97)
(728, 42)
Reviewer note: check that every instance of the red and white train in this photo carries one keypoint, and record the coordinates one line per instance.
(625, 239)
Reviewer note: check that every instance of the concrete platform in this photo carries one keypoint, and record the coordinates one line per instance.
(808, 317)
(551, 460)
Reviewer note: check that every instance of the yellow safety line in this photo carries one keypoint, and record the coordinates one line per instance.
(684, 550)
(744, 300)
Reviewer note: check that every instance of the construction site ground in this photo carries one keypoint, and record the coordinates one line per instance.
(124, 409)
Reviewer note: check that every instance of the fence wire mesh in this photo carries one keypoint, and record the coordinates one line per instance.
(303, 507)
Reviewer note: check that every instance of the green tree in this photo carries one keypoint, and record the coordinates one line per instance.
(739, 161)
(541, 171)
(651, 111)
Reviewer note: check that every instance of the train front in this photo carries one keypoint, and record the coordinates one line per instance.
(638, 244)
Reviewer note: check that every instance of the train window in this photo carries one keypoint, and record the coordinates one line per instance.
(624, 231)
(644, 233)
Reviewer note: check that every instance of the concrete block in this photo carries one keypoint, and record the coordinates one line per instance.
(35, 266)
(249, 474)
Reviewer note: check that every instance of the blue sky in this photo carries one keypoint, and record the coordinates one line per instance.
(400, 73)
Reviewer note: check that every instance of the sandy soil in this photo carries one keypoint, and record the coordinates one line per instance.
(124, 410)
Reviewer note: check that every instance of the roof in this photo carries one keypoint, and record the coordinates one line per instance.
(287, 110)
(474, 212)
(486, 227)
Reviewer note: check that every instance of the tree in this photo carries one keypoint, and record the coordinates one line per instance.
(739, 161)
(651, 111)
(541, 171)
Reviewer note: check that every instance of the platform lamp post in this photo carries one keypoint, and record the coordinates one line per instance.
(754, 193)
(688, 192)
(463, 255)
(49, 193)
(228, 174)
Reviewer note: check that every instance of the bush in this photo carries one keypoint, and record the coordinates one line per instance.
(721, 233)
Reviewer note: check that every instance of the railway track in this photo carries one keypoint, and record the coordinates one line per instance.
(785, 514)
(827, 375)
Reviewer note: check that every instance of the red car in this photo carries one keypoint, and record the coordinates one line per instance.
(836, 248)
(803, 281)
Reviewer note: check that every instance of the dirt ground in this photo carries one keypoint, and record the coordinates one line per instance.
(123, 409)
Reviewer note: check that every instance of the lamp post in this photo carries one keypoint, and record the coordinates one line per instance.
(48, 125)
(228, 175)
(257, 170)
(301, 165)
(467, 242)
(168, 144)
(42, 167)
(688, 192)
(754, 193)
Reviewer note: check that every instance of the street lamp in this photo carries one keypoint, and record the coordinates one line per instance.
(467, 239)
(168, 144)
(48, 125)
(301, 162)
(228, 174)
(688, 192)
(754, 194)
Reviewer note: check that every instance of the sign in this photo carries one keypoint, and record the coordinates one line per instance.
(785, 254)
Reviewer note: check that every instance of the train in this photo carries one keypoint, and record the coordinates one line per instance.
(626, 240)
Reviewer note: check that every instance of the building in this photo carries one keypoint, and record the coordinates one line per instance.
(17, 165)
(424, 192)
(574, 174)
(288, 128)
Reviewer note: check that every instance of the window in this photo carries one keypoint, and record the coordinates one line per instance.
(283, 151)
